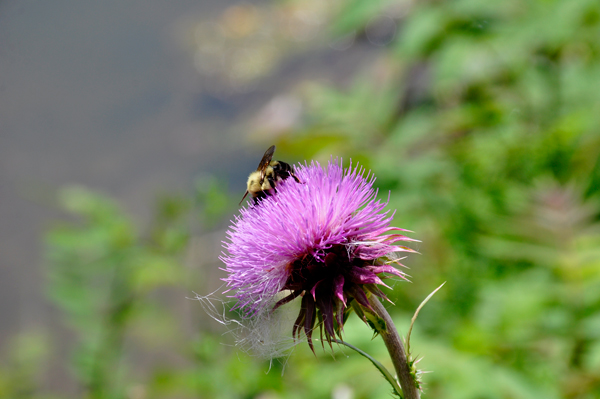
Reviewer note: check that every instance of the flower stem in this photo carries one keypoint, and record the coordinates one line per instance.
(386, 374)
(394, 345)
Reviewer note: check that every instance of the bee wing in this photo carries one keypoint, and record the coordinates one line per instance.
(265, 161)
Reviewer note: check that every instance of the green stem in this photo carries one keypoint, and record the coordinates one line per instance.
(386, 374)
(394, 345)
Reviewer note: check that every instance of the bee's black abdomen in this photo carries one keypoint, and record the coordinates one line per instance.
(284, 170)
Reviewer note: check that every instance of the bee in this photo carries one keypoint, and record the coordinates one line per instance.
(264, 180)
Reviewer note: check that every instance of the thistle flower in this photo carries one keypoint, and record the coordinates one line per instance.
(325, 239)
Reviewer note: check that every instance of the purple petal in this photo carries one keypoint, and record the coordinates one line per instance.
(361, 275)
(386, 269)
(338, 288)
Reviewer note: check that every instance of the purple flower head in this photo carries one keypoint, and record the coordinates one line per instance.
(325, 239)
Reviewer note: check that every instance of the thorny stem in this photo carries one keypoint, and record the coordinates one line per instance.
(394, 345)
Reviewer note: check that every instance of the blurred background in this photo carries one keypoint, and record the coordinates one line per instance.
(128, 128)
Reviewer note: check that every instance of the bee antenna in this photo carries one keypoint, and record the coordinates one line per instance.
(243, 198)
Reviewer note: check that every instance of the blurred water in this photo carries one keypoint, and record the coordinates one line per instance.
(99, 94)
(107, 95)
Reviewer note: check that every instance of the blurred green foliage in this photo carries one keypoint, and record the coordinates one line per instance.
(104, 275)
(483, 119)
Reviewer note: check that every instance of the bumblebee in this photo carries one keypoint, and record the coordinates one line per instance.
(264, 180)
